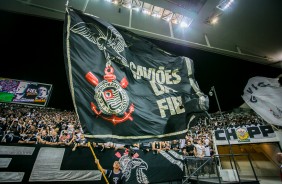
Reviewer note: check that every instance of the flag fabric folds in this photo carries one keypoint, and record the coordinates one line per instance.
(264, 96)
(125, 88)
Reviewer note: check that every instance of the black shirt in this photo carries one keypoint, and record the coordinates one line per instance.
(190, 149)
(115, 178)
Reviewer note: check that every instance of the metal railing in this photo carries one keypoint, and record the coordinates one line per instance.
(195, 167)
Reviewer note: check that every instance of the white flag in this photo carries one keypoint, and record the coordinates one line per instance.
(264, 96)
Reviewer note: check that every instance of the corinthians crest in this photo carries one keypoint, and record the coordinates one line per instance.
(111, 98)
(243, 134)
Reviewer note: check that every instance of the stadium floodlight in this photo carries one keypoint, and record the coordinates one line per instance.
(176, 18)
(157, 11)
(130, 4)
(224, 4)
(154, 11)
(167, 15)
(136, 5)
(147, 8)
(186, 22)
(127, 4)
(116, 2)
(213, 19)
(183, 24)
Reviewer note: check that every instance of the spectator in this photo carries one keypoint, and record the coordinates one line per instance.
(43, 137)
(189, 149)
(146, 146)
(119, 146)
(82, 142)
(175, 145)
(157, 147)
(115, 176)
(64, 138)
(29, 135)
(199, 149)
(54, 138)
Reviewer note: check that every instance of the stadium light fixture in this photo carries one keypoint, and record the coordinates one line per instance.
(167, 15)
(136, 5)
(224, 4)
(186, 21)
(176, 18)
(183, 24)
(157, 12)
(126, 3)
(214, 20)
(115, 2)
(154, 11)
(147, 8)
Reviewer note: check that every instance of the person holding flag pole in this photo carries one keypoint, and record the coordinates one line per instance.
(98, 164)
(115, 176)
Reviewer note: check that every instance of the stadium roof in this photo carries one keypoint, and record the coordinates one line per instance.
(249, 30)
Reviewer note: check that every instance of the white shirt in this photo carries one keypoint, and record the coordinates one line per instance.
(200, 150)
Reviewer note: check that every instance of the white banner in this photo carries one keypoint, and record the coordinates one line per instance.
(264, 96)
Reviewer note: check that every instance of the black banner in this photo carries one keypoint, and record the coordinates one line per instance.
(67, 166)
(126, 89)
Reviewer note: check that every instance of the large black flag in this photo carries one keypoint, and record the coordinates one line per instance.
(124, 88)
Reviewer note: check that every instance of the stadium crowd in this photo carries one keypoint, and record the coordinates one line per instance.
(42, 125)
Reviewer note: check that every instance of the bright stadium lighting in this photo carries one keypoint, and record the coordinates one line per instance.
(126, 4)
(176, 18)
(147, 8)
(174, 21)
(183, 24)
(115, 2)
(214, 20)
(136, 5)
(154, 11)
(156, 15)
(157, 11)
(146, 12)
(167, 15)
(186, 22)
(224, 4)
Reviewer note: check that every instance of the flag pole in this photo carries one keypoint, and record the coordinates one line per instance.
(225, 131)
(98, 164)
(67, 6)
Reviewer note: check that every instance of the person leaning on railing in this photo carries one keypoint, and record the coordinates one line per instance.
(188, 150)
(199, 149)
